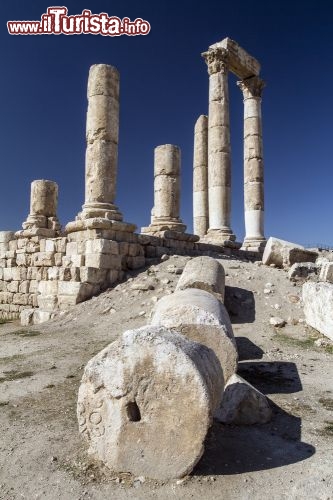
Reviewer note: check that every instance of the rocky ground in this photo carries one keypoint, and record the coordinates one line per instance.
(42, 455)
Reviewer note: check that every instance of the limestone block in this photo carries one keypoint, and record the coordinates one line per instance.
(33, 286)
(149, 379)
(203, 273)
(47, 302)
(326, 272)
(33, 299)
(10, 262)
(93, 275)
(135, 262)
(32, 273)
(72, 292)
(242, 404)
(103, 261)
(13, 286)
(53, 273)
(6, 297)
(302, 270)
(69, 274)
(285, 254)
(48, 287)
(102, 245)
(22, 259)
(40, 316)
(113, 276)
(318, 307)
(72, 248)
(6, 236)
(12, 245)
(20, 298)
(10, 254)
(14, 273)
(24, 286)
(50, 246)
(43, 259)
(26, 317)
(201, 317)
(58, 258)
(3, 287)
(77, 260)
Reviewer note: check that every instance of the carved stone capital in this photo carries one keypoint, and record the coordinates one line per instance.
(251, 87)
(216, 60)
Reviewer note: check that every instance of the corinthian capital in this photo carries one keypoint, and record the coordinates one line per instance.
(251, 87)
(216, 60)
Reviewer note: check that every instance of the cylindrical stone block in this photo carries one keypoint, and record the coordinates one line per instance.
(146, 402)
(203, 273)
(44, 198)
(102, 132)
(165, 213)
(200, 177)
(253, 162)
(202, 318)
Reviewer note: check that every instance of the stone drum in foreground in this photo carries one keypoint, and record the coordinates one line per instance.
(146, 402)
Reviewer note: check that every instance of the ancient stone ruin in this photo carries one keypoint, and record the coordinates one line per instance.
(44, 269)
(212, 154)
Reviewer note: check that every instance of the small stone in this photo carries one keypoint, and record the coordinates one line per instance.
(277, 306)
(54, 459)
(277, 322)
(165, 257)
(269, 285)
(293, 299)
(267, 291)
(165, 281)
(142, 313)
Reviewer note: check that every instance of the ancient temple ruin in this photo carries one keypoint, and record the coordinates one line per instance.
(44, 269)
(212, 154)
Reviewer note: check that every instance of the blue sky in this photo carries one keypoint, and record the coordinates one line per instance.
(163, 89)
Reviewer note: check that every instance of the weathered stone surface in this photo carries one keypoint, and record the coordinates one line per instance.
(326, 272)
(240, 62)
(165, 213)
(146, 402)
(242, 404)
(201, 317)
(302, 270)
(43, 208)
(200, 177)
(284, 253)
(219, 151)
(318, 306)
(204, 273)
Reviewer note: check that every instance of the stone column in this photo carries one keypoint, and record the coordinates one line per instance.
(102, 143)
(200, 177)
(165, 214)
(253, 164)
(219, 151)
(43, 206)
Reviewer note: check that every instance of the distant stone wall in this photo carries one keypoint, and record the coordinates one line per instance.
(39, 276)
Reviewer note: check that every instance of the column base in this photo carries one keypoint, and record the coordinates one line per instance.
(254, 245)
(40, 225)
(99, 223)
(104, 210)
(221, 237)
(159, 225)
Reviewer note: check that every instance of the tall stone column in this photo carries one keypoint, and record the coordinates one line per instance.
(43, 208)
(200, 177)
(165, 214)
(253, 164)
(219, 151)
(102, 143)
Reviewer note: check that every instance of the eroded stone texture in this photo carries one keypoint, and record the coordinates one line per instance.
(204, 273)
(219, 151)
(253, 164)
(102, 133)
(146, 402)
(318, 307)
(284, 253)
(200, 177)
(241, 63)
(326, 272)
(165, 213)
(43, 209)
(242, 404)
(201, 317)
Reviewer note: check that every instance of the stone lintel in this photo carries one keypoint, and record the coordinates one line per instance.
(39, 231)
(169, 234)
(99, 223)
(239, 61)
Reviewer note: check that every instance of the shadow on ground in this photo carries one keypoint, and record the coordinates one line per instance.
(247, 349)
(240, 304)
(231, 449)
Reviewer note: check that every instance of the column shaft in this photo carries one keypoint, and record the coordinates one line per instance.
(200, 177)
(253, 163)
(219, 151)
(102, 143)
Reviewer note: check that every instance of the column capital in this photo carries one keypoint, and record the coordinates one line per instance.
(251, 87)
(216, 60)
